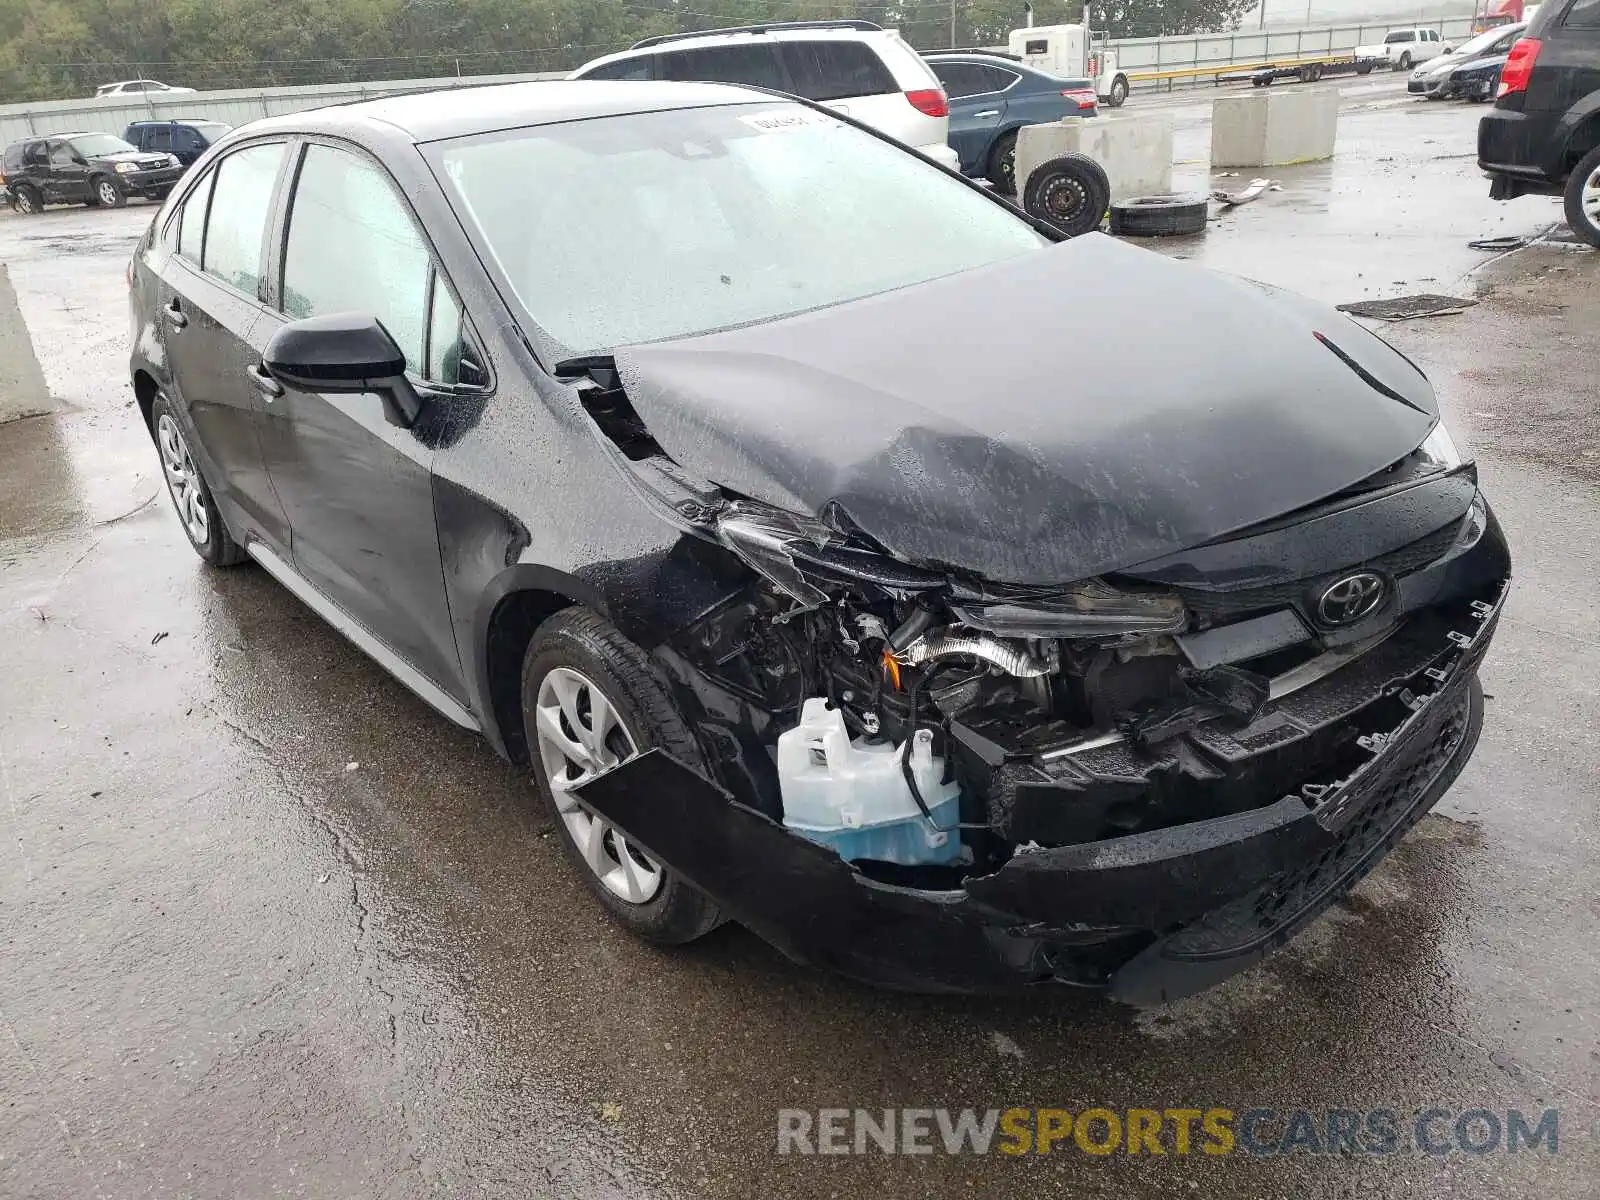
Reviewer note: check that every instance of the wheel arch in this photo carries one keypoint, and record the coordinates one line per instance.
(145, 391)
(510, 613)
(1585, 135)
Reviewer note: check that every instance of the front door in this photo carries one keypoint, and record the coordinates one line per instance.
(357, 490)
(68, 179)
(211, 312)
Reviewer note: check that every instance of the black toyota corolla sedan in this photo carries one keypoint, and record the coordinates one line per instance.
(757, 483)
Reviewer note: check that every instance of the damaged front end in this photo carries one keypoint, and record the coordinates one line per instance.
(1140, 781)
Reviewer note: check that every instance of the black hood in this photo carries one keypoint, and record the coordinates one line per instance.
(1056, 416)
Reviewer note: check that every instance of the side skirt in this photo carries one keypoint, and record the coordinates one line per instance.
(330, 612)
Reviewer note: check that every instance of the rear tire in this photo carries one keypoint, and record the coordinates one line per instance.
(1405, 62)
(1160, 216)
(1002, 172)
(1070, 193)
(1582, 198)
(191, 496)
(577, 663)
(29, 202)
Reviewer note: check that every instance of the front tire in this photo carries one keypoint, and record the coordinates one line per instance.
(591, 700)
(1119, 92)
(1582, 198)
(191, 495)
(106, 193)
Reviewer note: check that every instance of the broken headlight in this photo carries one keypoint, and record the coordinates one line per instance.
(1438, 450)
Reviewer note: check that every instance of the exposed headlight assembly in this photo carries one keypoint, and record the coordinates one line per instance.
(1439, 451)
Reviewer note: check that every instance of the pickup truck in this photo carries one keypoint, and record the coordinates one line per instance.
(1402, 49)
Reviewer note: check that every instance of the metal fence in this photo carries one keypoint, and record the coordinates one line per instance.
(235, 107)
(1264, 45)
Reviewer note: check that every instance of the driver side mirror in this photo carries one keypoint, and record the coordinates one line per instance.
(344, 353)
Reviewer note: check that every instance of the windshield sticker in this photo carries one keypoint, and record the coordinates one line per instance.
(777, 122)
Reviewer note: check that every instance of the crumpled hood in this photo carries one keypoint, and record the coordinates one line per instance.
(1055, 416)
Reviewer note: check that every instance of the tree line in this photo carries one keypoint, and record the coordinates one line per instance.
(54, 49)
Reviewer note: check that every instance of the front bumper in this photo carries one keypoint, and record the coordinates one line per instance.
(149, 183)
(1148, 917)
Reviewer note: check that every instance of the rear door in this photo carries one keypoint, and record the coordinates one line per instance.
(977, 110)
(212, 297)
(1566, 77)
(357, 490)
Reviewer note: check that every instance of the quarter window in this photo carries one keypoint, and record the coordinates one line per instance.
(192, 224)
(836, 70)
(241, 199)
(444, 336)
(352, 247)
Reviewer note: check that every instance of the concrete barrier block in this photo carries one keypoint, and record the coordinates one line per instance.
(1274, 127)
(22, 387)
(1135, 149)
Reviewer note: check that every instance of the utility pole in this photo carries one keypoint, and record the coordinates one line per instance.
(952, 24)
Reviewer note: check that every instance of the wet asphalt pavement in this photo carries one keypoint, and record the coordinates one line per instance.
(271, 927)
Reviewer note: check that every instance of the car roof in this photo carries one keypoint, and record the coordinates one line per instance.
(191, 121)
(464, 111)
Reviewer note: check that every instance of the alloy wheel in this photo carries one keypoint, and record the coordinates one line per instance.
(581, 734)
(25, 204)
(183, 481)
(107, 192)
(1589, 198)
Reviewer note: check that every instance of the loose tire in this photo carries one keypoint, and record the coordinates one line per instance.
(106, 193)
(590, 699)
(191, 495)
(1160, 216)
(1002, 170)
(1118, 95)
(1582, 198)
(29, 202)
(1070, 193)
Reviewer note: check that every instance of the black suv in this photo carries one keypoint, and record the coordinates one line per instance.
(185, 140)
(1544, 133)
(97, 169)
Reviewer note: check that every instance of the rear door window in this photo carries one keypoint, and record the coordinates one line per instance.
(157, 137)
(1403, 36)
(241, 200)
(353, 247)
(754, 63)
(836, 70)
(961, 79)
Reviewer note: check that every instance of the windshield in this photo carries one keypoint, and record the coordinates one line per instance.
(621, 230)
(93, 145)
(1479, 44)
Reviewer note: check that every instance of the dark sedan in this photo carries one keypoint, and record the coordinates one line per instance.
(991, 97)
(710, 454)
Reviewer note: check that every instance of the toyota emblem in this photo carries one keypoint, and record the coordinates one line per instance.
(1349, 599)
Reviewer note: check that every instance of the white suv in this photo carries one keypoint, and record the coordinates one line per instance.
(854, 67)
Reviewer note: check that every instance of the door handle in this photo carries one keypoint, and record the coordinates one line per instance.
(174, 315)
(264, 383)
(988, 112)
